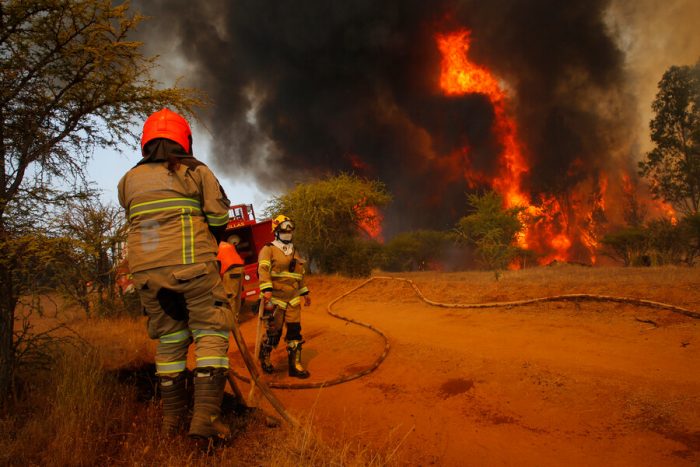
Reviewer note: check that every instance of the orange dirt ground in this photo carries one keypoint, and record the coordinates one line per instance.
(550, 384)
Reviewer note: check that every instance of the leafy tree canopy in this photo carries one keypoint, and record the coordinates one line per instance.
(492, 229)
(71, 80)
(629, 245)
(417, 250)
(673, 166)
(331, 216)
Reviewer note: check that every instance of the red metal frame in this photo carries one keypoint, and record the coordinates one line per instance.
(253, 236)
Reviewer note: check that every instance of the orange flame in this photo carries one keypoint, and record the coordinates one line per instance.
(665, 210)
(592, 221)
(547, 226)
(657, 207)
(557, 227)
(460, 76)
(370, 221)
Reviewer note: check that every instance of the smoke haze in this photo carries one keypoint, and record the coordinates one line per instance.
(302, 89)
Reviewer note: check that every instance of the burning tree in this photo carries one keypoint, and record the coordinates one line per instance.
(336, 221)
(673, 166)
(69, 81)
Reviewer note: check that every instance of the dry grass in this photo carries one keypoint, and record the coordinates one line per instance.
(96, 406)
(304, 446)
(68, 415)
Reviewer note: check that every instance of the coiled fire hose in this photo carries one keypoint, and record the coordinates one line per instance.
(555, 298)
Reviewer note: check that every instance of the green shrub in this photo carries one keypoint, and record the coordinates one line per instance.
(417, 251)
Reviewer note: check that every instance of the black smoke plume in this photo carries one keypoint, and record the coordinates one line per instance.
(310, 87)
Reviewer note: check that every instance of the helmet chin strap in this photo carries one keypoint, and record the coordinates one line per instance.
(277, 235)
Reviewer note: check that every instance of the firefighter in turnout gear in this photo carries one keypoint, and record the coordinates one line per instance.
(281, 272)
(177, 213)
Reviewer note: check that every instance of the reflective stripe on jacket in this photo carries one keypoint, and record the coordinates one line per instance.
(274, 273)
(170, 214)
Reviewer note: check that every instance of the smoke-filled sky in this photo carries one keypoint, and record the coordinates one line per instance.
(301, 89)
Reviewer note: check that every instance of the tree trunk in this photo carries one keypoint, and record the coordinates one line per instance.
(7, 296)
(8, 301)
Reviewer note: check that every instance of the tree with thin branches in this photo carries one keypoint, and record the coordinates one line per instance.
(71, 80)
(492, 229)
(332, 216)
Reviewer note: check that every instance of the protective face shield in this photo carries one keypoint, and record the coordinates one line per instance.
(283, 227)
(286, 226)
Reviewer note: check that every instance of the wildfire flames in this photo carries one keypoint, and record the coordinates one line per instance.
(460, 76)
(557, 227)
(551, 228)
(376, 92)
(370, 221)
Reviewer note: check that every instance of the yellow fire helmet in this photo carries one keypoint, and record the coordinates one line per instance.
(282, 223)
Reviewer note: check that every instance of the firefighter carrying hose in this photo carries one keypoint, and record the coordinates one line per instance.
(177, 213)
(281, 272)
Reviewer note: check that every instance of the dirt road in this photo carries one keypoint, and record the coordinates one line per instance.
(552, 384)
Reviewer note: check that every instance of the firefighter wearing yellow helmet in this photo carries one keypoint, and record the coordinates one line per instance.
(281, 272)
(177, 213)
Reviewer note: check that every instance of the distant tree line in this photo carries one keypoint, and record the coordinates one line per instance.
(330, 215)
(655, 243)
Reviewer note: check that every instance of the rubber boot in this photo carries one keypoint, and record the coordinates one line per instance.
(272, 339)
(294, 353)
(209, 384)
(173, 393)
(264, 356)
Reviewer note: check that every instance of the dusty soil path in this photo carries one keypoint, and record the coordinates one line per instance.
(552, 384)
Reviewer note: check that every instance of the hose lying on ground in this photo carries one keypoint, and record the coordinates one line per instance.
(556, 298)
(250, 364)
(341, 379)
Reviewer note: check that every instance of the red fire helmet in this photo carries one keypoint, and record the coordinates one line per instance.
(167, 124)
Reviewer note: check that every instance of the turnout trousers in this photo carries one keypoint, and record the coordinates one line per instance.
(186, 303)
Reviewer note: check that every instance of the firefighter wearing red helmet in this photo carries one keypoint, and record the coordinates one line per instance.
(281, 272)
(177, 214)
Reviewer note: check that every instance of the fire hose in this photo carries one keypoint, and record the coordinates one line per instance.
(555, 298)
(253, 370)
(250, 364)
